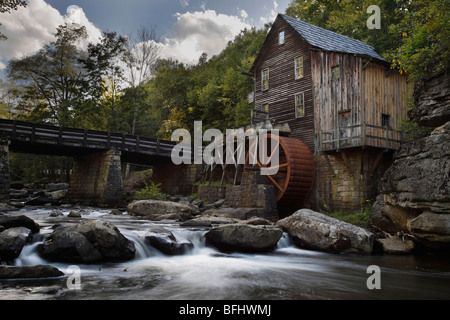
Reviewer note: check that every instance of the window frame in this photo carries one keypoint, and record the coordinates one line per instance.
(336, 75)
(385, 118)
(263, 79)
(281, 39)
(297, 67)
(299, 106)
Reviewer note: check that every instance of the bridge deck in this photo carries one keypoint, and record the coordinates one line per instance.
(37, 138)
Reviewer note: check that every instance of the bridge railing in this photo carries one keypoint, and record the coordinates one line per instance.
(93, 139)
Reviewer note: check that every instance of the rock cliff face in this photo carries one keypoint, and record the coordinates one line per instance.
(416, 188)
(432, 100)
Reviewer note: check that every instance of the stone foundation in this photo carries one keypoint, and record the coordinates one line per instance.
(252, 193)
(97, 179)
(177, 179)
(4, 172)
(348, 180)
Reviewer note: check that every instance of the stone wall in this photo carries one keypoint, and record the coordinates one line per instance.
(177, 179)
(4, 172)
(347, 180)
(97, 179)
(210, 194)
(252, 193)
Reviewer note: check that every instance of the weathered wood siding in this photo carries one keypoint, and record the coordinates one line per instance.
(282, 83)
(362, 93)
(384, 92)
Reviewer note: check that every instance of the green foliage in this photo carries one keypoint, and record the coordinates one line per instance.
(362, 218)
(414, 35)
(349, 17)
(424, 49)
(214, 91)
(151, 191)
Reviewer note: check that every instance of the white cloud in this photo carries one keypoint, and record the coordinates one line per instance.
(29, 28)
(244, 14)
(76, 16)
(198, 32)
(271, 16)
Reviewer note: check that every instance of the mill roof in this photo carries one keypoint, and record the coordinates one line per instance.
(330, 41)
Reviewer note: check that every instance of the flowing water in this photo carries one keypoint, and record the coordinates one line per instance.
(206, 274)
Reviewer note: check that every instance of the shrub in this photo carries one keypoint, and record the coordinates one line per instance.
(151, 191)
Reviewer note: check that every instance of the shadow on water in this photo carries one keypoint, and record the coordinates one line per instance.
(205, 273)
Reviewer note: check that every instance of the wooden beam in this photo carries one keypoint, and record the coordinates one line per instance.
(376, 163)
(347, 162)
(330, 167)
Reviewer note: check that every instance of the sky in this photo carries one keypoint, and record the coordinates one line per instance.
(186, 28)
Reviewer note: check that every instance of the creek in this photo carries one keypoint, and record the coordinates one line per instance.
(205, 273)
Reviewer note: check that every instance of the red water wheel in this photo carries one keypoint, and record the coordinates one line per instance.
(295, 177)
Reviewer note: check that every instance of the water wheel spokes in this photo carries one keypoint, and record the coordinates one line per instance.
(295, 167)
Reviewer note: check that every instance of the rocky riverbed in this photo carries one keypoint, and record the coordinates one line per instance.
(122, 255)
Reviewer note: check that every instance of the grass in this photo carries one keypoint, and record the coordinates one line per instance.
(362, 218)
(213, 183)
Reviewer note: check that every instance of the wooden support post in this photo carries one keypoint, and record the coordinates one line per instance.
(60, 135)
(376, 163)
(85, 138)
(108, 140)
(347, 162)
(137, 144)
(330, 167)
(157, 147)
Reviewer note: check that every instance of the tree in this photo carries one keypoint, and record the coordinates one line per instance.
(49, 81)
(101, 85)
(424, 49)
(142, 53)
(349, 17)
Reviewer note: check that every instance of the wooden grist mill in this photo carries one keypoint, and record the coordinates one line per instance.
(337, 105)
(342, 104)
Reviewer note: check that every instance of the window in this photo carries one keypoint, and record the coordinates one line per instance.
(265, 79)
(299, 105)
(281, 38)
(298, 67)
(335, 73)
(385, 120)
(265, 108)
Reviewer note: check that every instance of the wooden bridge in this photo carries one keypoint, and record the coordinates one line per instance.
(98, 156)
(28, 137)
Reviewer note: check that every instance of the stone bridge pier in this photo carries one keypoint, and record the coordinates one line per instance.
(4, 171)
(97, 179)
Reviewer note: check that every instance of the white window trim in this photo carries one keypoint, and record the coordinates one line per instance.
(262, 79)
(295, 68)
(296, 106)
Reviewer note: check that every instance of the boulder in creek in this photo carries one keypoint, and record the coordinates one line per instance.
(315, 231)
(432, 229)
(13, 221)
(89, 241)
(244, 237)
(164, 240)
(29, 272)
(208, 221)
(234, 213)
(12, 241)
(153, 209)
(396, 245)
